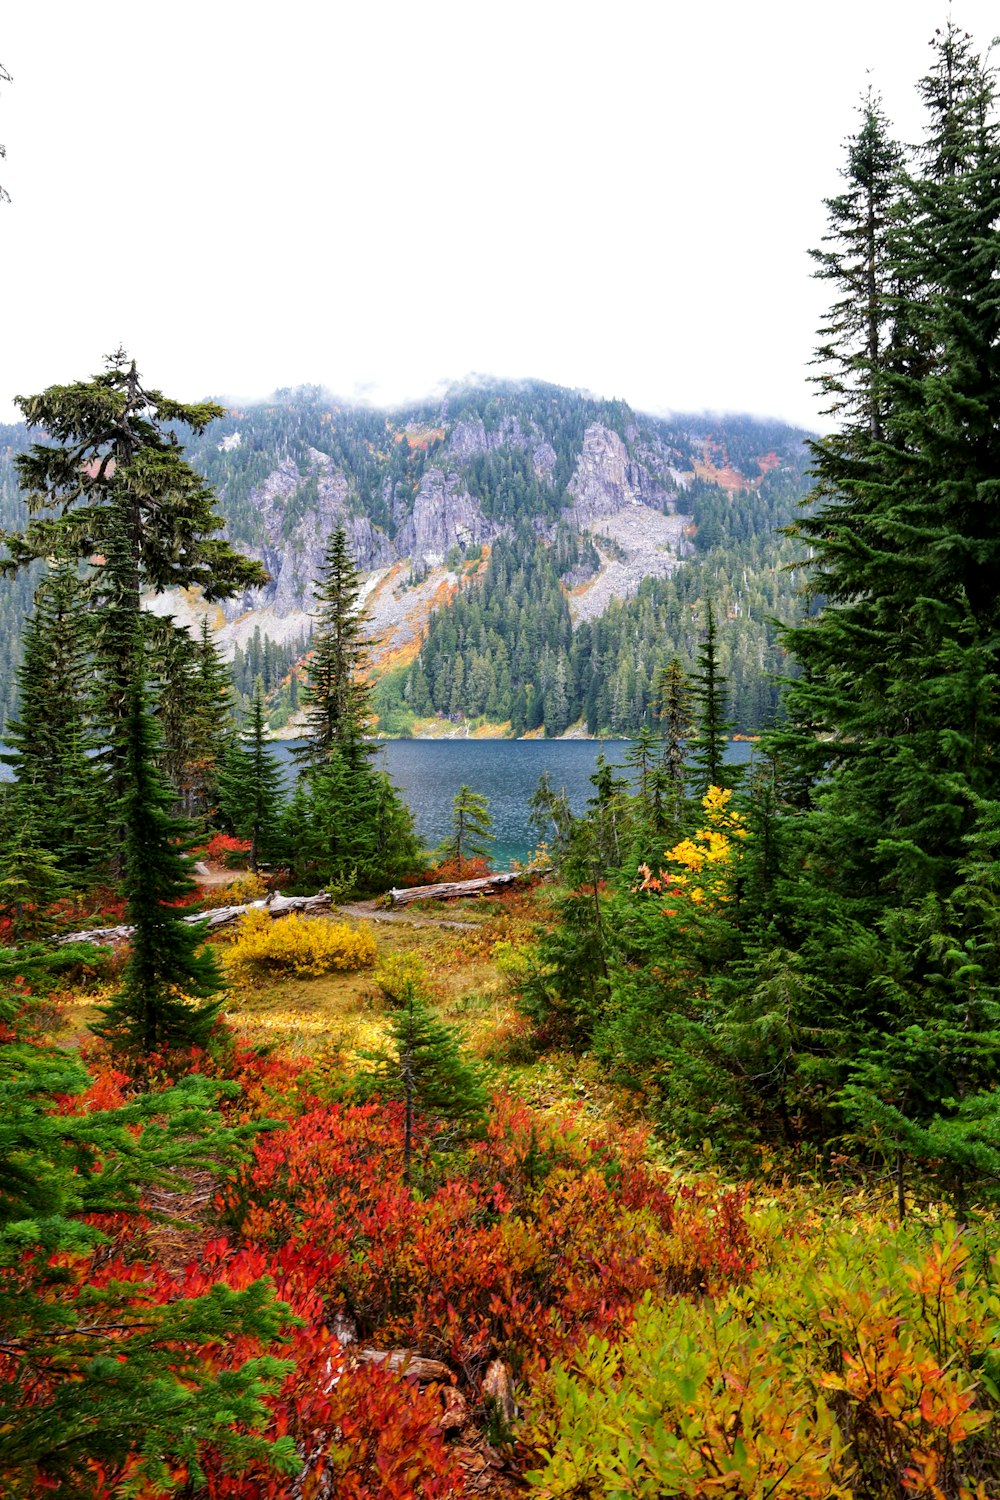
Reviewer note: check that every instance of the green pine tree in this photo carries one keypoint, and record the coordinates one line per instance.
(345, 828)
(31, 877)
(896, 711)
(429, 1073)
(194, 712)
(337, 694)
(712, 725)
(471, 828)
(641, 756)
(674, 711)
(166, 975)
(61, 789)
(250, 784)
(857, 260)
(89, 1377)
(345, 825)
(111, 483)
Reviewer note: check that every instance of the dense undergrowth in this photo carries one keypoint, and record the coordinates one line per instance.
(667, 1332)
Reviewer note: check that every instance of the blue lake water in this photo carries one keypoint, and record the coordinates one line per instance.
(428, 773)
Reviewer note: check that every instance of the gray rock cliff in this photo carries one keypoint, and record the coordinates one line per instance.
(607, 480)
(444, 515)
(293, 555)
(470, 438)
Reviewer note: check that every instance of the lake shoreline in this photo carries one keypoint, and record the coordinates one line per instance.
(465, 732)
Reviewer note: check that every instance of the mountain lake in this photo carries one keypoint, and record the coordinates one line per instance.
(428, 773)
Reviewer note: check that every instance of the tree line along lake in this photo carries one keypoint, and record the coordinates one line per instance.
(429, 772)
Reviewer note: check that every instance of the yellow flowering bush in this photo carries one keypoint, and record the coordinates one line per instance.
(300, 945)
(705, 860)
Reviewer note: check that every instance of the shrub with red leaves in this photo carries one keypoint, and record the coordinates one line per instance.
(541, 1234)
(551, 1234)
(449, 871)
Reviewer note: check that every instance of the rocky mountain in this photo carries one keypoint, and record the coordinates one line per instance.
(427, 493)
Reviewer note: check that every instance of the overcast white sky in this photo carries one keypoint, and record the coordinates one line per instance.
(373, 194)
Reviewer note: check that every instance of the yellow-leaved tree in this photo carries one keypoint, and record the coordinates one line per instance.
(703, 867)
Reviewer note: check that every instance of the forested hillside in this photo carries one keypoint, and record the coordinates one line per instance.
(509, 651)
(559, 549)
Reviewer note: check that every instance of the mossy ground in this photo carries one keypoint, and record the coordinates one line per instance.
(347, 1013)
(464, 947)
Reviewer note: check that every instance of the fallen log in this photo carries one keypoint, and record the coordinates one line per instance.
(406, 1362)
(484, 885)
(275, 905)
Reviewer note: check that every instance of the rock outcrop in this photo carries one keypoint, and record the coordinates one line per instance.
(644, 543)
(291, 546)
(471, 438)
(544, 462)
(444, 515)
(607, 480)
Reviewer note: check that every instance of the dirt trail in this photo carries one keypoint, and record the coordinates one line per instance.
(211, 876)
(370, 911)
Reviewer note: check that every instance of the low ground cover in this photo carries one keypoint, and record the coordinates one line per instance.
(659, 1331)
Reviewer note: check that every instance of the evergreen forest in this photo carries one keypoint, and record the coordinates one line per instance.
(666, 1166)
(516, 658)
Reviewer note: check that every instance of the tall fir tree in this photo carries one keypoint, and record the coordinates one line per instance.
(166, 998)
(900, 660)
(712, 726)
(641, 756)
(111, 483)
(60, 786)
(897, 708)
(346, 827)
(674, 712)
(856, 258)
(250, 785)
(345, 824)
(337, 694)
(194, 695)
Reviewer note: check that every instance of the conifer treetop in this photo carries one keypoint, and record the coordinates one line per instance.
(113, 446)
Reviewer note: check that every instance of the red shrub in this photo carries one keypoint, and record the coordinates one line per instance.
(551, 1232)
(551, 1236)
(221, 848)
(471, 869)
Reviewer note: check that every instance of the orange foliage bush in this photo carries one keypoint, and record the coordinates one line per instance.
(554, 1245)
(448, 871)
(550, 1236)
